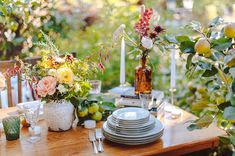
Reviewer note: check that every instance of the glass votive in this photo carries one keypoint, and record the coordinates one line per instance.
(145, 100)
(11, 127)
(95, 86)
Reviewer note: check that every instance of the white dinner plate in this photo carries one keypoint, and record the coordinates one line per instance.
(157, 129)
(108, 136)
(134, 142)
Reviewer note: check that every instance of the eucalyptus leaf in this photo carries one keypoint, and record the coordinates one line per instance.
(216, 21)
(233, 86)
(107, 106)
(187, 47)
(224, 105)
(205, 65)
(182, 38)
(232, 139)
(204, 121)
(221, 44)
(192, 127)
(189, 61)
(229, 113)
(232, 72)
(224, 139)
(209, 73)
(170, 39)
(18, 40)
(194, 25)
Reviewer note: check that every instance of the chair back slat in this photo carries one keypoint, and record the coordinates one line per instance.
(19, 82)
(0, 101)
(9, 92)
(4, 66)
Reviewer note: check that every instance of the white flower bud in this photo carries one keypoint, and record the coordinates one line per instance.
(147, 42)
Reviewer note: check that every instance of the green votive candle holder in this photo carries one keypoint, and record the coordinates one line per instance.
(11, 127)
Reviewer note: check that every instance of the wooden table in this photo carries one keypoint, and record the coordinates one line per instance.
(177, 140)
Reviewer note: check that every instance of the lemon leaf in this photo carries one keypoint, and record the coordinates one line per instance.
(182, 38)
(209, 73)
(229, 113)
(187, 47)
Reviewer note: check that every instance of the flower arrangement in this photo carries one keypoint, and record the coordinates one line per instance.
(210, 55)
(148, 30)
(59, 77)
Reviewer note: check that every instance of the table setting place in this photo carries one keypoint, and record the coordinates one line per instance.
(125, 125)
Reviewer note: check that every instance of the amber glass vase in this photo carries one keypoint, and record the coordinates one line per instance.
(143, 77)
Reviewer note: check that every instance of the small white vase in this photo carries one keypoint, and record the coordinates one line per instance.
(59, 115)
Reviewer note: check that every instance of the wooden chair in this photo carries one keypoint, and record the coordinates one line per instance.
(4, 66)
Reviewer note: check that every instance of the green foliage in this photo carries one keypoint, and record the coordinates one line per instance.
(21, 22)
(214, 71)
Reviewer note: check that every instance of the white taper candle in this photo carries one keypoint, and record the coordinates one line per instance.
(142, 9)
(122, 63)
(173, 69)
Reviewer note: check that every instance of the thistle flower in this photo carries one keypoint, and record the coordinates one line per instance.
(158, 29)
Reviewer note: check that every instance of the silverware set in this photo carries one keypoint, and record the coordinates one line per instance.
(96, 137)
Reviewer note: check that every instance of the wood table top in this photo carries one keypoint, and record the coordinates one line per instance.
(176, 140)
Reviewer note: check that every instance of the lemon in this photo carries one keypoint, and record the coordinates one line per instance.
(83, 112)
(229, 30)
(191, 87)
(207, 54)
(97, 116)
(94, 107)
(101, 109)
(202, 46)
(202, 90)
(220, 100)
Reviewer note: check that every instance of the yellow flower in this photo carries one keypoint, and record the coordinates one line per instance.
(65, 75)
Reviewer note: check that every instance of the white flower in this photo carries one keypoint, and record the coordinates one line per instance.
(2, 81)
(76, 78)
(147, 42)
(9, 35)
(118, 32)
(52, 72)
(59, 60)
(77, 87)
(61, 89)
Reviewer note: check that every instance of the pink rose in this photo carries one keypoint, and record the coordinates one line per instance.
(46, 86)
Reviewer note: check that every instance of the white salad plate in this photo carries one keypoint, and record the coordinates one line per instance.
(131, 114)
(149, 123)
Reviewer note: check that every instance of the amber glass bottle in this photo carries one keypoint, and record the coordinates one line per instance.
(143, 77)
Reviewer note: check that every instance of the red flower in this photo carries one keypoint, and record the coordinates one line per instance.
(101, 66)
(142, 26)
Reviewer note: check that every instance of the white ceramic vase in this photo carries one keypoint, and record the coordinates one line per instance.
(59, 115)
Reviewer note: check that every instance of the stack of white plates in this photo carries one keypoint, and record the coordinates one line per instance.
(132, 126)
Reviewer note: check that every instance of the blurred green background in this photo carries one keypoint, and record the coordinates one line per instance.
(82, 26)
